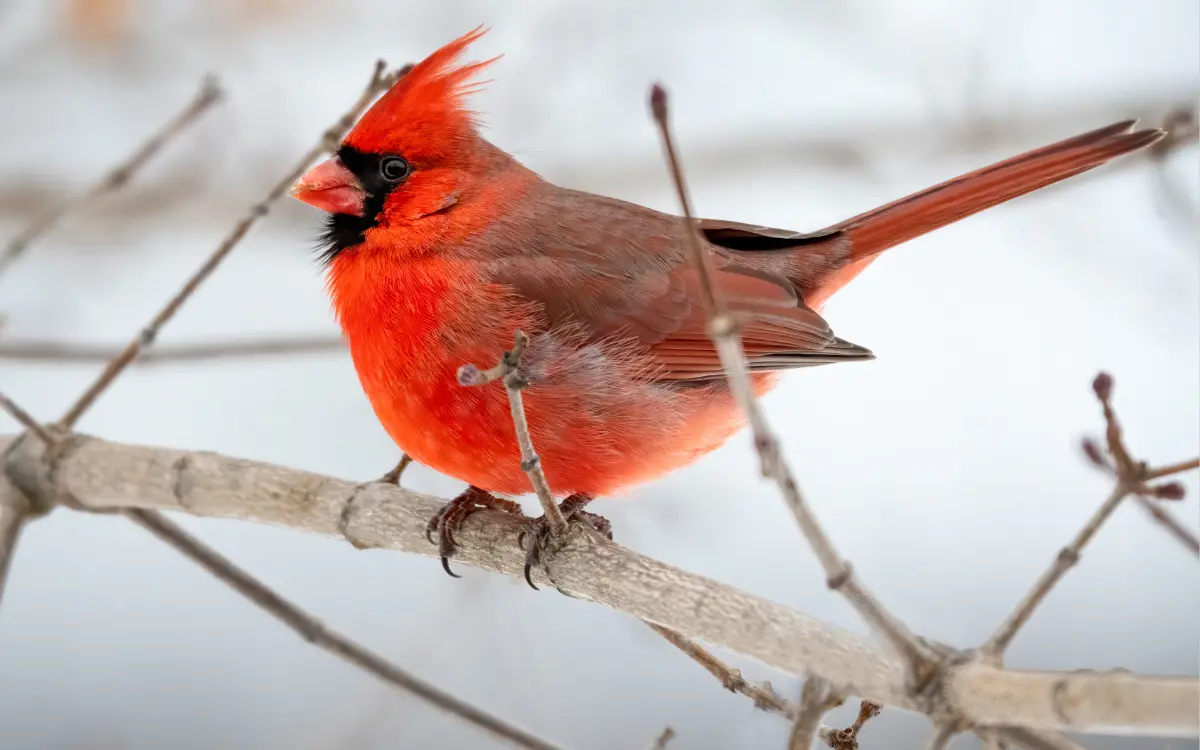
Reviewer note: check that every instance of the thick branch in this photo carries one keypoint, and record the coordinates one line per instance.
(98, 475)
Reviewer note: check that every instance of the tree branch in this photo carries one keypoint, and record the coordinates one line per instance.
(723, 330)
(34, 350)
(508, 371)
(118, 176)
(316, 633)
(731, 679)
(816, 699)
(329, 140)
(97, 475)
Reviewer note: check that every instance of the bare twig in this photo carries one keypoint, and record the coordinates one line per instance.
(660, 742)
(724, 333)
(393, 476)
(1131, 479)
(508, 370)
(316, 633)
(816, 699)
(329, 141)
(25, 419)
(102, 476)
(1169, 522)
(731, 679)
(81, 352)
(210, 93)
(1169, 470)
(1067, 558)
(847, 739)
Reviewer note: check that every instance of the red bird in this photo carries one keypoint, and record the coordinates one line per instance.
(439, 245)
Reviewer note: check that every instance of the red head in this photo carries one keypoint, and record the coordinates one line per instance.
(413, 153)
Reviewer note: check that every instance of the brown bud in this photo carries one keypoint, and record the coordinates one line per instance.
(1103, 385)
(658, 102)
(1092, 450)
(1168, 491)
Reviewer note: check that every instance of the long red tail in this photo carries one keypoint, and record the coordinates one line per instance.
(899, 221)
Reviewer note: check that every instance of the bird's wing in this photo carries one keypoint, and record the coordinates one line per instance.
(630, 275)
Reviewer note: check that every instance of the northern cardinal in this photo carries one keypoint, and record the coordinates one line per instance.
(439, 245)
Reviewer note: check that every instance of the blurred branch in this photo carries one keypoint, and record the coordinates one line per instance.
(80, 352)
(660, 742)
(117, 177)
(854, 148)
(329, 141)
(316, 633)
(97, 475)
(816, 699)
(1182, 124)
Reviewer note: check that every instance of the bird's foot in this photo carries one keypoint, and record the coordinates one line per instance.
(447, 520)
(393, 476)
(536, 535)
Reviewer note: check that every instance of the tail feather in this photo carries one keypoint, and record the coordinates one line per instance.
(875, 231)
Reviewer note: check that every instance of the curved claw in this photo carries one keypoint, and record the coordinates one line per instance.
(446, 567)
(537, 530)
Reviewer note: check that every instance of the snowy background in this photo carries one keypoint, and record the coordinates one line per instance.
(947, 470)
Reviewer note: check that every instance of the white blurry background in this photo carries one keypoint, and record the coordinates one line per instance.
(947, 470)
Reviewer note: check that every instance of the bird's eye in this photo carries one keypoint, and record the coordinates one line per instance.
(393, 168)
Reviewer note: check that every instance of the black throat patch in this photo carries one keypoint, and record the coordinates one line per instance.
(344, 231)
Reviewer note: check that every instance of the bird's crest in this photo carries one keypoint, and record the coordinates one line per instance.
(424, 114)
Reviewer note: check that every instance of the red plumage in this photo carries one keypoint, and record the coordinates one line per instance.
(439, 267)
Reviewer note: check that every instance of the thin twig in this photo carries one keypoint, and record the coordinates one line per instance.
(25, 419)
(660, 742)
(316, 633)
(723, 331)
(329, 141)
(393, 476)
(1169, 522)
(1067, 558)
(816, 699)
(508, 370)
(1131, 477)
(731, 679)
(1166, 471)
(118, 176)
(15, 507)
(73, 352)
(847, 739)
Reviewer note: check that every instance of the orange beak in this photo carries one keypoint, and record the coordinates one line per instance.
(331, 187)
